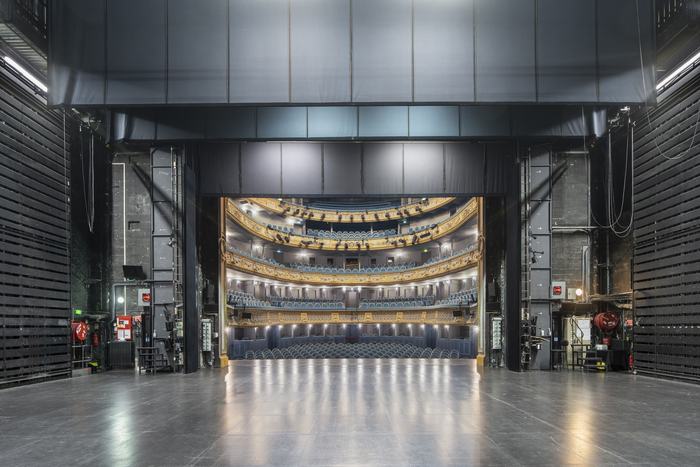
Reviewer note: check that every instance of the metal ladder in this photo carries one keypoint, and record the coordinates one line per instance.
(177, 226)
(525, 274)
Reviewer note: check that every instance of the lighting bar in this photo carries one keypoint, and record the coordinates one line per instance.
(26, 74)
(678, 71)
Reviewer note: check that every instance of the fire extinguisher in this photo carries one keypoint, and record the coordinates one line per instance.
(96, 341)
(631, 363)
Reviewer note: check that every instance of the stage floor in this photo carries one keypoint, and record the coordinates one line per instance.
(351, 412)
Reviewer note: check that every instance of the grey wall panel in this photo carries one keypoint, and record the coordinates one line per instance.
(433, 121)
(136, 52)
(197, 51)
(134, 125)
(619, 65)
(259, 51)
(536, 120)
(332, 122)
(182, 123)
(383, 168)
(320, 50)
(220, 162)
(261, 169)
(77, 66)
(301, 168)
(381, 42)
(231, 122)
(443, 50)
(464, 168)
(482, 120)
(423, 168)
(566, 51)
(282, 122)
(341, 168)
(383, 121)
(505, 50)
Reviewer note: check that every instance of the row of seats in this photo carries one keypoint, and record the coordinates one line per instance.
(349, 235)
(338, 269)
(426, 300)
(333, 350)
(238, 298)
(364, 206)
(286, 302)
(469, 296)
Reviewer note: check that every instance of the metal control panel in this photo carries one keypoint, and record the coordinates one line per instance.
(206, 335)
(496, 333)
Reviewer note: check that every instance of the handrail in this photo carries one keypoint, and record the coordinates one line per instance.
(355, 217)
(259, 268)
(441, 229)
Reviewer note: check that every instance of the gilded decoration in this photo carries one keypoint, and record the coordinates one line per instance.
(277, 273)
(383, 243)
(399, 212)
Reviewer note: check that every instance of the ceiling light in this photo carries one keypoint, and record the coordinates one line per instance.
(120, 299)
(671, 76)
(26, 74)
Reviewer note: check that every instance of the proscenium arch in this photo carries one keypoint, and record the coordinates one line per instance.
(328, 169)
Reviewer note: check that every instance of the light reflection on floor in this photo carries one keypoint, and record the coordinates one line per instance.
(351, 412)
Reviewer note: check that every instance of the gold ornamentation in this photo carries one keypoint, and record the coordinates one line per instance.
(441, 315)
(356, 244)
(280, 207)
(454, 264)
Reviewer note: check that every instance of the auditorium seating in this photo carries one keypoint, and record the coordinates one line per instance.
(350, 235)
(397, 302)
(234, 297)
(342, 350)
(467, 297)
(362, 206)
(338, 269)
(306, 303)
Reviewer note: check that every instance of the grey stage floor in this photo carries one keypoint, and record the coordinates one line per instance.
(361, 412)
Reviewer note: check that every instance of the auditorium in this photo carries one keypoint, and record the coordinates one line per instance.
(349, 232)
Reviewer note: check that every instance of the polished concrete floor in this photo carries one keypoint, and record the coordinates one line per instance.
(356, 412)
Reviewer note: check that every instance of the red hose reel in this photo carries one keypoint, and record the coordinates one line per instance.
(79, 330)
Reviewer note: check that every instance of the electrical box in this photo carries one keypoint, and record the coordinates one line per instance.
(558, 290)
(571, 295)
(178, 329)
(496, 330)
(144, 297)
(124, 328)
(206, 335)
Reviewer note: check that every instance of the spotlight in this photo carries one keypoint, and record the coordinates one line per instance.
(405, 211)
(376, 216)
(340, 218)
(579, 292)
(363, 217)
(352, 218)
(387, 215)
(120, 300)
(279, 237)
(323, 216)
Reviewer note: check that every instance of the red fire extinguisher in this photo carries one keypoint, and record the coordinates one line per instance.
(96, 341)
(631, 363)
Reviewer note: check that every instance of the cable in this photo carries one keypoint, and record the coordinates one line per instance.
(644, 87)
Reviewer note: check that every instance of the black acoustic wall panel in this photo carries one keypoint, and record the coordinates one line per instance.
(351, 169)
(136, 58)
(338, 51)
(443, 43)
(77, 72)
(258, 51)
(302, 167)
(666, 239)
(381, 45)
(505, 51)
(424, 166)
(383, 168)
(340, 163)
(464, 168)
(224, 160)
(197, 51)
(261, 169)
(320, 50)
(35, 308)
(566, 51)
